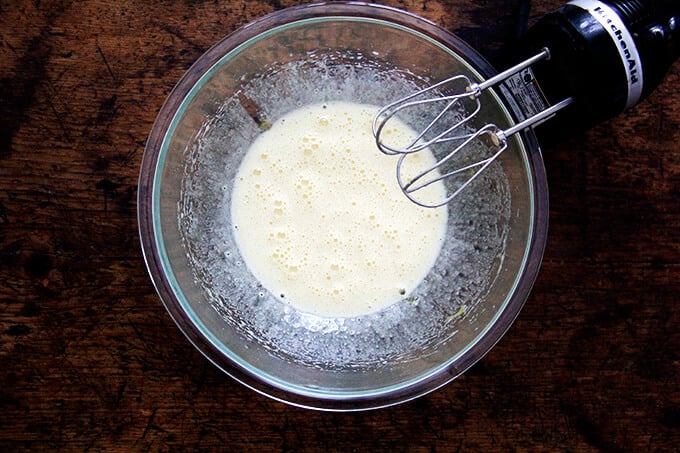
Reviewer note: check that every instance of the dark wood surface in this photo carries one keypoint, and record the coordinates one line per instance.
(90, 361)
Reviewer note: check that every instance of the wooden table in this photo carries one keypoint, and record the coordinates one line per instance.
(90, 361)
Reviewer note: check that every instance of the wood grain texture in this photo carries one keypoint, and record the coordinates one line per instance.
(90, 361)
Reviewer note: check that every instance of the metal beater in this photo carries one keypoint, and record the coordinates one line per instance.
(466, 100)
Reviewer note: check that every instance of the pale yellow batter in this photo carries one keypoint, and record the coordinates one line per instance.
(320, 220)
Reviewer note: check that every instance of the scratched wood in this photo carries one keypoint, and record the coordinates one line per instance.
(90, 361)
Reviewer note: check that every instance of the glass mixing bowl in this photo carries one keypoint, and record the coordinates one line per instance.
(318, 53)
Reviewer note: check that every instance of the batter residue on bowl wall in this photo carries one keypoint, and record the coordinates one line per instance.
(434, 312)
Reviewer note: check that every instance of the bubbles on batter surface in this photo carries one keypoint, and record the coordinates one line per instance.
(331, 197)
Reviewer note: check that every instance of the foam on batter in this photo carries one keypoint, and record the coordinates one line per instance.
(320, 220)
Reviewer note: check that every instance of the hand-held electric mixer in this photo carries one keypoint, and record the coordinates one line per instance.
(589, 60)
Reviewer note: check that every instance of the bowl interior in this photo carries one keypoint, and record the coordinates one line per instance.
(310, 55)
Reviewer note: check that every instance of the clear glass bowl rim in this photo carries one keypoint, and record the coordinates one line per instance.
(163, 285)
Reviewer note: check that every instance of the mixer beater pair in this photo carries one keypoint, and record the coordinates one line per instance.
(462, 99)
